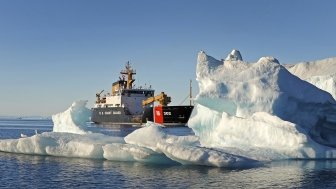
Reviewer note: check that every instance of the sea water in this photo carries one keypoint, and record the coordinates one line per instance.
(31, 171)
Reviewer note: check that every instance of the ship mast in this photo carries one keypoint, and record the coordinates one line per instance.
(129, 72)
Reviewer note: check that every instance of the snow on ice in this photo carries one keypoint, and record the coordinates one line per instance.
(245, 113)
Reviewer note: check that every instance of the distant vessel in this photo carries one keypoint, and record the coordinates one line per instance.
(128, 105)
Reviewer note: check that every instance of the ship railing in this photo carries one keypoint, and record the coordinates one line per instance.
(129, 70)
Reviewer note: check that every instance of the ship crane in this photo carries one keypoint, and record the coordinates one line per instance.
(162, 98)
(98, 97)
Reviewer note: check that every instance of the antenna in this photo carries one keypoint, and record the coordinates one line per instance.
(190, 92)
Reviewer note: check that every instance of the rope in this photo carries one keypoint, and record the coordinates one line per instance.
(184, 100)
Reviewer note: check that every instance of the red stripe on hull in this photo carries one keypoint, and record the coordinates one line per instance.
(158, 114)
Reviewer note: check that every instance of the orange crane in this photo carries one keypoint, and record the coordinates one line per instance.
(162, 98)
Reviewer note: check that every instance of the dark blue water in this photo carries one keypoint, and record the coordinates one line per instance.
(27, 171)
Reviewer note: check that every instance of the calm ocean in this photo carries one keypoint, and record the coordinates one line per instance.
(27, 171)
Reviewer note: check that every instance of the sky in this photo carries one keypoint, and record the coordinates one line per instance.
(54, 52)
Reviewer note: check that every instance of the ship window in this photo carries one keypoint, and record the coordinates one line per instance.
(117, 105)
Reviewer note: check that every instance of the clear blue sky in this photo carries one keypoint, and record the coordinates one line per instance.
(53, 52)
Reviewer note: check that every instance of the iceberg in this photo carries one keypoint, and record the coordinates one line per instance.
(321, 73)
(73, 120)
(150, 144)
(261, 110)
(60, 144)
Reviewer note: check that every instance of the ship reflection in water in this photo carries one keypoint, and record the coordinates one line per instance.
(126, 105)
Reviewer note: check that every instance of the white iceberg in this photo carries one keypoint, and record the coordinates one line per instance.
(60, 144)
(196, 155)
(151, 144)
(73, 120)
(261, 110)
(321, 73)
(151, 135)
